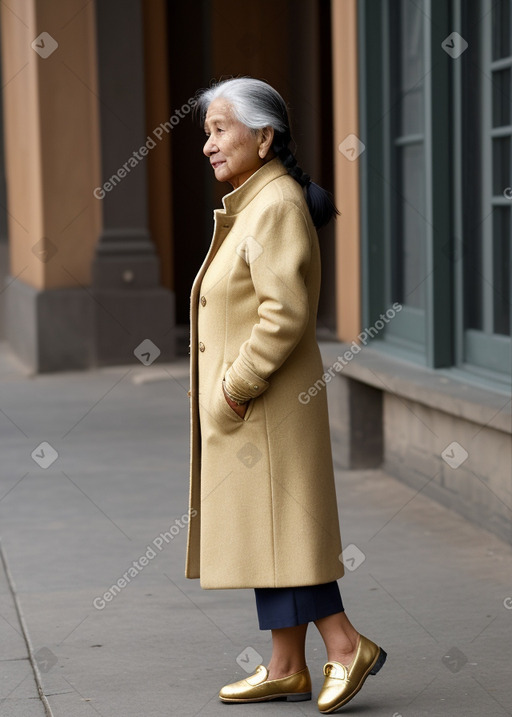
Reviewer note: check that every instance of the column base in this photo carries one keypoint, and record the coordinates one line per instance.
(124, 318)
(356, 413)
(69, 329)
(49, 330)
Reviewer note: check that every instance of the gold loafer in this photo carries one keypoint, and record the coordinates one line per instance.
(258, 688)
(342, 683)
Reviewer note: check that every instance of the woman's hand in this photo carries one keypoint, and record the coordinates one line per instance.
(240, 409)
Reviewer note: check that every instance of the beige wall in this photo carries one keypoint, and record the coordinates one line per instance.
(346, 172)
(51, 140)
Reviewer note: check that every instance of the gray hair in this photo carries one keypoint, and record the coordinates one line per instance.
(257, 105)
(254, 103)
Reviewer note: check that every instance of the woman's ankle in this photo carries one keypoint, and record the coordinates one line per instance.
(279, 668)
(343, 651)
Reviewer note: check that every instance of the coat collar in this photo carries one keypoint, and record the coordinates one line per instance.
(239, 198)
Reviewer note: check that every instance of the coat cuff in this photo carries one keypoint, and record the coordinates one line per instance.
(242, 383)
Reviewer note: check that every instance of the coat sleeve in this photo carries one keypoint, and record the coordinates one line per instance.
(278, 255)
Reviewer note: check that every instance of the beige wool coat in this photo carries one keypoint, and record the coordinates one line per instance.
(263, 509)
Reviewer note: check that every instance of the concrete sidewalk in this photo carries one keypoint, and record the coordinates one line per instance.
(432, 589)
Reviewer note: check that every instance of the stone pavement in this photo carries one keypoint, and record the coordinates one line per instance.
(432, 589)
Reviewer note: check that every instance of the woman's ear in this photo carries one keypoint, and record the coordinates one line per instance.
(266, 139)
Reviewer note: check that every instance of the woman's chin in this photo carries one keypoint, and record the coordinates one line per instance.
(221, 175)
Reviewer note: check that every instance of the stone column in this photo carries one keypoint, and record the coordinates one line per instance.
(132, 307)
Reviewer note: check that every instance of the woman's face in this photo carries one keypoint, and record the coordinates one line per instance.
(235, 151)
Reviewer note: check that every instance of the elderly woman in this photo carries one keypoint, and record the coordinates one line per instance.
(263, 510)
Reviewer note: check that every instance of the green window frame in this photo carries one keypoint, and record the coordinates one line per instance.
(436, 334)
(483, 147)
(405, 225)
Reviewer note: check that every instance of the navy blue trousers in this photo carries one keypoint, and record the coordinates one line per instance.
(288, 607)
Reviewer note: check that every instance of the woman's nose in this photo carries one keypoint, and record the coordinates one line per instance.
(208, 148)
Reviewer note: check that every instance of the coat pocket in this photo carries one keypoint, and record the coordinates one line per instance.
(228, 412)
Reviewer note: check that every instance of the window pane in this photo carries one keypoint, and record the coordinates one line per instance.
(408, 253)
(472, 169)
(485, 215)
(501, 99)
(501, 270)
(473, 287)
(500, 165)
(501, 29)
(411, 68)
(411, 230)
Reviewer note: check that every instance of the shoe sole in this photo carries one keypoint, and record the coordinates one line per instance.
(291, 697)
(373, 670)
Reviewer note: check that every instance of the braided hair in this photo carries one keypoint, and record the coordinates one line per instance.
(256, 104)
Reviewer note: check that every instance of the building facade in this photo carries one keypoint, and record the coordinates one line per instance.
(403, 108)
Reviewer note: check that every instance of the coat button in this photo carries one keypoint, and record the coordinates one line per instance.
(201, 346)
(203, 301)
(255, 388)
